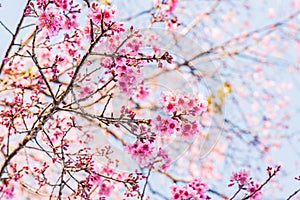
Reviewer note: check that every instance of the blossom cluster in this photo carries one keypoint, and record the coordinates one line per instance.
(164, 13)
(165, 126)
(6, 190)
(62, 15)
(142, 92)
(146, 154)
(141, 151)
(245, 182)
(17, 110)
(8, 184)
(103, 178)
(101, 13)
(196, 189)
(124, 64)
(182, 108)
(184, 104)
(179, 110)
(106, 186)
(128, 78)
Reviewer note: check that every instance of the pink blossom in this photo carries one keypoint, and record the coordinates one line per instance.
(69, 22)
(196, 189)
(128, 112)
(41, 3)
(97, 13)
(128, 78)
(135, 45)
(252, 189)
(142, 152)
(105, 185)
(51, 20)
(142, 92)
(171, 25)
(118, 27)
(165, 126)
(172, 5)
(170, 107)
(164, 13)
(190, 129)
(64, 4)
(7, 191)
(165, 159)
(184, 104)
(166, 6)
(85, 91)
(240, 177)
(244, 181)
(146, 155)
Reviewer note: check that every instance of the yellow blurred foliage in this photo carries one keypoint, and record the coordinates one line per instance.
(217, 102)
(106, 2)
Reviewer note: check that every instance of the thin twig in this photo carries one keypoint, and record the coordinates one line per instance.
(146, 183)
(6, 28)
(292, 195)
(14, 36)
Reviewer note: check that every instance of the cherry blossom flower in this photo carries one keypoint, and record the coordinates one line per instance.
(85, 91)
(184, 104)
(147, 156)
(128, 78)
(240, 177)
(141, 151)
(196, 189)
(165, 126)
(103, 12)
(51, 20)
(190, 129)
(142, 92)
(252, 189)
